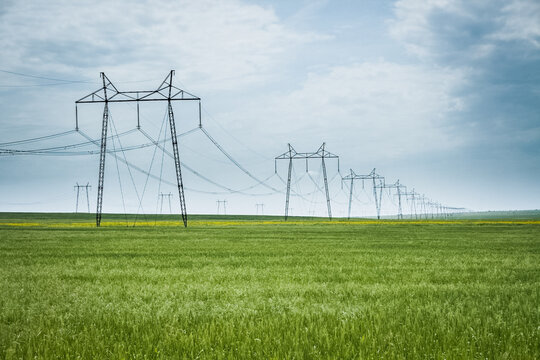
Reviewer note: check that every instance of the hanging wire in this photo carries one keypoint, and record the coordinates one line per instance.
(41, 138)
(149, 170)
(232, 136)
(126, 162)
(120, 182)
(316, 183)
(45, 78)
(220, 148)
(161, 170)
(135, 167)
(51, 151)
(318, 190)
(193, 171)
(71, 146)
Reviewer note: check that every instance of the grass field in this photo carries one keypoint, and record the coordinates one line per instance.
(260, 288)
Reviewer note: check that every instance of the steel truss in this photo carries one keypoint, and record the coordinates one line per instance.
(398, 187)
(371, 176)
(291, 155)
(110, 94)
(78, 188)
(413, 196)
(161, 196)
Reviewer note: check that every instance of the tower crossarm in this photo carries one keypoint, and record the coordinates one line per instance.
(320, 153)
(370, 176)
(109, 93)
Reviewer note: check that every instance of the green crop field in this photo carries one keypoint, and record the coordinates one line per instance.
(239, 287)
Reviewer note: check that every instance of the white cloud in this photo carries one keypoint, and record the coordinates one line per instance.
(222, 44)
(402, 109)
(411, 23)
(463, 29)
(520, 20)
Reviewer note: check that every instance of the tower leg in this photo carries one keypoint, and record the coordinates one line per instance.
(350, 198)
(326, 189)
(77, 203)
(288, 189)
(87, 200)
(177, 165)
(400, 213)
(380, 201)
(377, 204)
(103, 151)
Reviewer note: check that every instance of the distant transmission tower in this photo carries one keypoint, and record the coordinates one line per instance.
(261, 206)
(423, 208)
(413, 196)
(166, 92)
(291, 155)
(161, 197)
(78, 187)
(433, 208)
(399, 188)
(224, 203)
(371, 176)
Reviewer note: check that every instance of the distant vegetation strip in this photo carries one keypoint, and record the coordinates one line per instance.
(198, 223)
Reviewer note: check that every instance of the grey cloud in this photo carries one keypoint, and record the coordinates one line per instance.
(501, 92)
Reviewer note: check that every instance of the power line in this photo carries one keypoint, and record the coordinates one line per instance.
(220, 148)
(38, 138)
(45, 78)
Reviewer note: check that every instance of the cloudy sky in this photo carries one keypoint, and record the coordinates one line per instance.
(442, 95)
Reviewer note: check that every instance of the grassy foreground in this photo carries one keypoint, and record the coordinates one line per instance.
(245, 289)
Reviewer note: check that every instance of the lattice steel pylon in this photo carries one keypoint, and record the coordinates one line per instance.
(110, 94)
(224, 203)
(77, 187)
(291, 155)
(371, 176)
(399, 188)
(161, 196)
(413, 196)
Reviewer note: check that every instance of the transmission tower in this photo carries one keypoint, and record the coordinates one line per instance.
(454, 210)
(291, 155)
(371, 176)
(166, 92)
(423, 205)
(161, 197)
(261, 206)
(434, 208)
(78, 187)
(399, 189)
(413, 196)
(224, 203)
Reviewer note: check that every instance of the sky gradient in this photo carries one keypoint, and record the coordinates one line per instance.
(442, 95)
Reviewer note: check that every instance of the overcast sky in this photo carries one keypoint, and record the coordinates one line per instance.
(442, 95)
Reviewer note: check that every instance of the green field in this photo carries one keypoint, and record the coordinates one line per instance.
(260, 288)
